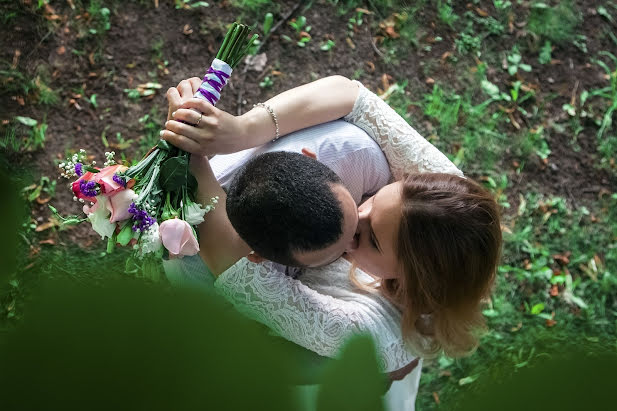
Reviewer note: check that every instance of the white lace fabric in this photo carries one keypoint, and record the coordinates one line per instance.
(406, 150)
(322, 309)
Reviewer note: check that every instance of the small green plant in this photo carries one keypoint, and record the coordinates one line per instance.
(468, 42)
(515, 62)
(498, 187)
(355, 22)
(608, 93)
(99, 18)
(446, 13)
(545, 53)
(443, 107)
(299, 25)
(31, 140)
(327, 46)
(302, 31)
(502, 4)
(190, 4)
(268, 20)
(45, 185)
(266, 82)
(92, 101)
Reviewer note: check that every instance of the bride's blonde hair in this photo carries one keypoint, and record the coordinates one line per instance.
(448, 248)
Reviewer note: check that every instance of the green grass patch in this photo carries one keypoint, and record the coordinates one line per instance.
(557, 284)
(555, 20)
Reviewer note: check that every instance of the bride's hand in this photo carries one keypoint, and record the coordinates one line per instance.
(211, 132)
(176, 96)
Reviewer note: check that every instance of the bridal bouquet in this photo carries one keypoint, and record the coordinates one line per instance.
(151, 205)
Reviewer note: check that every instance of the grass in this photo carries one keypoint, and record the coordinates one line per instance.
(555, 21)
(555, 283)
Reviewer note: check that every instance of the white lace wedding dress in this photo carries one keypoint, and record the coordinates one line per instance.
(324, 308)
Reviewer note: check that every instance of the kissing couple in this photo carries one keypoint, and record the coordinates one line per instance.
(335, 217)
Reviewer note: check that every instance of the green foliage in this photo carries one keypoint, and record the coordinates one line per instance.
(468, 42)
(548, 245)
(99, 18)
(446, 13)
(555, 21)
(515, 62)
(267, 82)
(545, 53)
(24, 134)
(190, 4)
(299, 25)
(33, 87)
(268, 20)
(151, 126)
(255, 6)
(327, 45)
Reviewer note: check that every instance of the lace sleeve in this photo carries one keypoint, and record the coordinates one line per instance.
(406, 150)
(318, 322)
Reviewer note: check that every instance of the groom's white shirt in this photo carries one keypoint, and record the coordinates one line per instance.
(346, 149)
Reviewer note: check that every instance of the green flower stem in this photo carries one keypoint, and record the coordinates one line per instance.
(143, 164)
(154, 177)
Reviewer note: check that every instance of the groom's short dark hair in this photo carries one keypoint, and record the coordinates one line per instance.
(282, 202)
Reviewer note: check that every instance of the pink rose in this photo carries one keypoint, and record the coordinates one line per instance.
(105, 179)
(117, 205)
(178, 237)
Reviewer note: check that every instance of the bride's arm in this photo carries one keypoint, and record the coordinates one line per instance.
(314, 103)
(219, 132)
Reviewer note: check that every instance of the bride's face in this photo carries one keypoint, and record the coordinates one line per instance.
(373, 246)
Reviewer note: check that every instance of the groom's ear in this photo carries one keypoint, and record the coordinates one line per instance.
(255, 258)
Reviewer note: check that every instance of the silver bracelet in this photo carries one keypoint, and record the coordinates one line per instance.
(274, 118)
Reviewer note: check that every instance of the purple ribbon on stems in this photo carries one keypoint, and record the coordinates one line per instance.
(215, 79)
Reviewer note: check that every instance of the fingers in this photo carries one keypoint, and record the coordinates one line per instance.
(309, 153)
(185, 89)
(185, 130)
(173, 97)
(195, 83)
(200, 105)
(180, 141)
(190, 116)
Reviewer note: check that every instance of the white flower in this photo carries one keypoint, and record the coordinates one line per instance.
(150, 241)
(194, 213)
(100, 219)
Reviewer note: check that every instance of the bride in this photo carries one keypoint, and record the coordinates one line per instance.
(425, 251)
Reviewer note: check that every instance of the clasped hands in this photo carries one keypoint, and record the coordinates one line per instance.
(196, 126)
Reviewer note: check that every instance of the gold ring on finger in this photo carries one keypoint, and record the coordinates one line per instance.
(199, 121)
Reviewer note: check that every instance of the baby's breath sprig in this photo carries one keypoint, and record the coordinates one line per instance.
(76, 166)
(109, 158)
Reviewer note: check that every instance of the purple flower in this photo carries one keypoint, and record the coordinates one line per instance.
(88, 188)
(120, 180)
(142, 221)
(79, 169)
